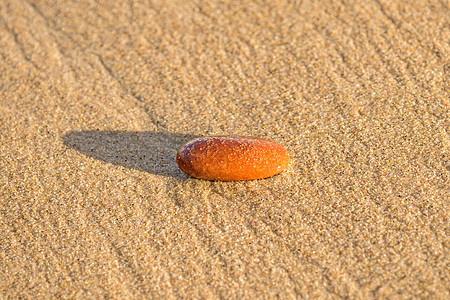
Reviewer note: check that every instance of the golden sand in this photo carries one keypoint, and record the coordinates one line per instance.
(97, 96)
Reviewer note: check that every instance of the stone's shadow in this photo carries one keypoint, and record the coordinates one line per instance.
(152, 152)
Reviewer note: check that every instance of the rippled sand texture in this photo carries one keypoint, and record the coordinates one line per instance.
(96, 97)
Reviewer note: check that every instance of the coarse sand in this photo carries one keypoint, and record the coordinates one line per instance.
(97, 96)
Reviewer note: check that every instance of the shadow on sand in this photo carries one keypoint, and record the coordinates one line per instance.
(152, 152)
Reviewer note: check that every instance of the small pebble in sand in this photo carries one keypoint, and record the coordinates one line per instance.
(230, 158)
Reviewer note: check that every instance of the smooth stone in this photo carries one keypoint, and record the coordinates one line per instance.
(230, 158)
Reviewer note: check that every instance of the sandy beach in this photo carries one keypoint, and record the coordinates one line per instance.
(96, 97)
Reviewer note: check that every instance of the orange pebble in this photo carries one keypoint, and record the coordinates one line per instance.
(230, 158)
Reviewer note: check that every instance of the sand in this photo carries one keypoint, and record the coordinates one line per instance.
(96, 97)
